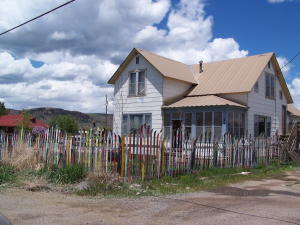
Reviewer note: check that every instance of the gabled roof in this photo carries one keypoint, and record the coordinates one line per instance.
(14, 120)
(236, 75)
(206, 100)
(293, 110)
(167, 67)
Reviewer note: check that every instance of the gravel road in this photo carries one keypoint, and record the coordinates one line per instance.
(270, 201)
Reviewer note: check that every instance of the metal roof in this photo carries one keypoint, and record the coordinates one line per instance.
(207, 100)
(14, 120)
(223, 77)
(293, 110)
(167, 67)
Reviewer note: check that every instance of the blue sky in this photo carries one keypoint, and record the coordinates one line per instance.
(65, 58)
(259, 26)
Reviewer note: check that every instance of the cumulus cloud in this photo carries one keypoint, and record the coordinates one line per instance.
(283, 63)
(83, 43)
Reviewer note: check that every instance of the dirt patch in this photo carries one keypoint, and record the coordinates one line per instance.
(269, 201)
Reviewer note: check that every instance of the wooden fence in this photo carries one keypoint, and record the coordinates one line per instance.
(144, 154)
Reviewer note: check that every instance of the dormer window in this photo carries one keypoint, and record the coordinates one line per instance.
(137, 60)
(137, 83)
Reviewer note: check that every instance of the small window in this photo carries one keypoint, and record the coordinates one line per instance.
(280, 95)
(269, 64)
(256, 87)
(137, 60)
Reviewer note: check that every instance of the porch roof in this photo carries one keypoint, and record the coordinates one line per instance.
(202, 101)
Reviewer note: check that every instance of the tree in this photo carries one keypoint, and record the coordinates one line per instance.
(25, 122)
(65, 123)
(3, 110)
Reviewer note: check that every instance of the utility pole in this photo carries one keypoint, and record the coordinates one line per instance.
(106, 103)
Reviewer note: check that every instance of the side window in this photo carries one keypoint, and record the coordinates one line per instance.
(256, 87)
(280, 95)
(270, 86)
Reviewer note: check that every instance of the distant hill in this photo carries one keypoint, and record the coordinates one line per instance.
(85, 120)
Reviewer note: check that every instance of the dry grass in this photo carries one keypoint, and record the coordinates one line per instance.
(99, 177)
(22, 157)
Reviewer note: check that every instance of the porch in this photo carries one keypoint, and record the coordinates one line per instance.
(200, 116)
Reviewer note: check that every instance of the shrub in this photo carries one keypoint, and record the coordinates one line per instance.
(7, 173)
(67, 175)
(65, 123)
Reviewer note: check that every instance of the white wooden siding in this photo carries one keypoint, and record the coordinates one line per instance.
(174, 88)
(260, 105)
(239, 98)
(150, 103)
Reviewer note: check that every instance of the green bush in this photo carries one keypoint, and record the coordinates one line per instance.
(67, 175)
(7, 173)
(65, 123)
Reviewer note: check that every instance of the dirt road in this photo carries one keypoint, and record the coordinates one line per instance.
(272, 201)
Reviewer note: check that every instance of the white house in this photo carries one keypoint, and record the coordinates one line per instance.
(244, 96)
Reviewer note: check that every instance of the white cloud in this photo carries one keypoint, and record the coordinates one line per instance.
(283, 63)
(82, 44)
(280, 1)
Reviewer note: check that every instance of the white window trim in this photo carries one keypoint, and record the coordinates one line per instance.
(137, 82)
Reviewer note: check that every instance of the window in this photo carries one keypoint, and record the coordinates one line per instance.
(236, 124)
(256, 87)
(187, 124)
(270, 86)
(167, 124)
(280, 95)
(209, 124)
(137, 60)
(137, 84)
(269, 64)
(262, 125)
(131, 122)
(199, 124)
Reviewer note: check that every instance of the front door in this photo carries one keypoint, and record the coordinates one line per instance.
(283, 120)
(176, 125)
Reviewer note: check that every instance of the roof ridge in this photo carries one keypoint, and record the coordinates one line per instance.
(142, 50)
(238, 58)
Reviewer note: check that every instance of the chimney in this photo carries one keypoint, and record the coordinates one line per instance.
(200, 66)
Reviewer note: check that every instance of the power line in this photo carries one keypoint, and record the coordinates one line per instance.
(291, 60)
(37, 17)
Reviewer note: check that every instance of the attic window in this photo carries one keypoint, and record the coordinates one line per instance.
(137, 60)
(269, 64)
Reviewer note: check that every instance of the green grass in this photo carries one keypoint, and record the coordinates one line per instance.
(67, 175)
(7, 173)
(203, 180)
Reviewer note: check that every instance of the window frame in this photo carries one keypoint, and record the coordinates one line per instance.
(137, 76)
